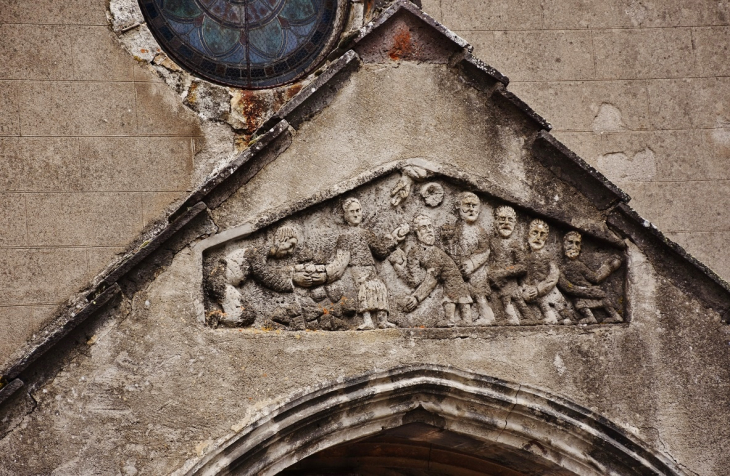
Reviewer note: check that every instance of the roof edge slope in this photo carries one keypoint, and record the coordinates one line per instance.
(566, 165)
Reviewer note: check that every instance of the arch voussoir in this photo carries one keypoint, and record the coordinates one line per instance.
(523, 420)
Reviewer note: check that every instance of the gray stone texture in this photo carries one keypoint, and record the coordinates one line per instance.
(82, 166)
(638, 90)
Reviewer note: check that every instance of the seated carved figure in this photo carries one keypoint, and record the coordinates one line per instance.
(580, 282)
(232, 271)
(467, 243)
(283, 267)
(507, 265)
(424, 267)
(539, 284)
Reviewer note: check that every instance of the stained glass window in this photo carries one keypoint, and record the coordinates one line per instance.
(245, 43)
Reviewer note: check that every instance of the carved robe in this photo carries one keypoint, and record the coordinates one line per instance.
(578, 280)
(470, 242)
(355, 250)
(506, 265)
(429, 265)
(543, 273)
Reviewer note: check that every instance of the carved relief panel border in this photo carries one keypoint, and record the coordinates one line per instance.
(413, 248)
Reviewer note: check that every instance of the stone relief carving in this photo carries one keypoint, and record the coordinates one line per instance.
(377, 258)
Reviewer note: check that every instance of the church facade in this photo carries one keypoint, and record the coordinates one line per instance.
(387, 264)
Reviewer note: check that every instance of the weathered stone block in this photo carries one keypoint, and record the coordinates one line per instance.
(145, 74)
(100, 257)
(682, 206)
(712, 45)
(91, 219)
(31, 276)
(586, 144)
(530, 55)
(677, 155)
(160, 111)
(712, 102)
(69, 12)
(628, 13)
(77, 108)
(12, 219)
(24, 53)
(136, 163)
(672, 103)
(493, 15)
(707, 247)
(10, 118)
(643, 53)
(154, 203)
(574, 14)
(433, 8)
(40, 164)
(16, 327)
(689, 102)
(98, 56)
(588, 105)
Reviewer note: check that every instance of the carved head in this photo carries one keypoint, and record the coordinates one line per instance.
(352, 211)
(285, 240)
(469, 205)
(538, 234)
(506, 219)
(424, 230)
(571, 244)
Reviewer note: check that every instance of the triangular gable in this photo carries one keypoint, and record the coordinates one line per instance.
(437, 44)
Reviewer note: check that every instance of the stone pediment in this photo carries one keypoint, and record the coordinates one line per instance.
(412, 244)
(403, 99)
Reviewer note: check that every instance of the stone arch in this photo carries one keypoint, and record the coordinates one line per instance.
(514, 422)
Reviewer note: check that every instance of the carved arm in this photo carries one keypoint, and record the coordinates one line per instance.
(544, 287)
(585, 292)
(337, 267)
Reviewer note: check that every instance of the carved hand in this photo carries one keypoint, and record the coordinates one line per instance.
(400, 233)
(318, 278)
(467, 267)
(529, 293)
(397, 257)
(401, 191)
(410, 304)
(614, 264)
(302, 279)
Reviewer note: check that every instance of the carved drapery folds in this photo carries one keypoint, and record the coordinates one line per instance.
(413, 249)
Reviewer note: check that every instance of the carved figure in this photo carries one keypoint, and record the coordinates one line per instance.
(467, 243)
(425, 266)
(580, 282)
(271, 267)
(539, 284)
(355, 249)
(433, 194)
(222, 288)
(507, 265)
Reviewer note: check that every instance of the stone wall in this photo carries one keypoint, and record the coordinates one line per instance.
(94, 146)
(638, 89)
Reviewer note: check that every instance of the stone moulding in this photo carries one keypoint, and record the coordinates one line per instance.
(330, 274)
(534, 424)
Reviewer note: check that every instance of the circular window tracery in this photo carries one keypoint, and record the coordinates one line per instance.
(251, 44)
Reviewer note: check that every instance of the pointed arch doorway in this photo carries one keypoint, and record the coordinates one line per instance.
(432, 420)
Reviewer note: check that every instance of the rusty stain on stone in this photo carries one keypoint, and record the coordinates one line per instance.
(402, 44)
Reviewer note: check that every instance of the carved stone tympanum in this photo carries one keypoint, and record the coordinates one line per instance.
(376, 255)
